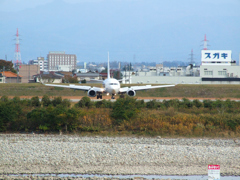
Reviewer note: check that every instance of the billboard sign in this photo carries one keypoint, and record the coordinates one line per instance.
(216, 56)
(213, 172)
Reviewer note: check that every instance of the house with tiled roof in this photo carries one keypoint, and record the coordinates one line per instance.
(48, 77)
(11, 77)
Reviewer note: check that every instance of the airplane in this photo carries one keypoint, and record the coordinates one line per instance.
(110, 86)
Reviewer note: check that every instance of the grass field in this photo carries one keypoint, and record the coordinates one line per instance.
(191, 91)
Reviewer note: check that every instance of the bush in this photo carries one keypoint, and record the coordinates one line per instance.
(85, 102)
(16, 100)
(66, 103)
(218, 103)
(56, 101)
(103, 104)
(35, 101)
(83, 81)
(124, 109)
(4, 98)
(186, 103)
(46, 100)
(197, 103)
(232, 121)
(141, 104)
(37, 118)
(229, 103)
(171, 103)
(208, 104)
(174, 103)
(153, 104)
(166, 103)
(72, 116)
(9, 113)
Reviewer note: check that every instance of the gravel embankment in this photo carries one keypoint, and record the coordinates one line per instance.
(116, 155)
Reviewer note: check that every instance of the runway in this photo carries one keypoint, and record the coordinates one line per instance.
(146, 99)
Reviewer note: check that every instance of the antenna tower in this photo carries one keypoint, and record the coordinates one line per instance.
(18, 61)
(205, 43)
(17, 51)
(191, 57)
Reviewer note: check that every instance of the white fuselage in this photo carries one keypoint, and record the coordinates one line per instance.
(111, 86)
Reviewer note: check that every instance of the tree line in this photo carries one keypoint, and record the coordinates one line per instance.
(125, 115)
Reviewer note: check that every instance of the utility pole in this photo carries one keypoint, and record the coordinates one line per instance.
(134, 59)
(125, 74)
(129, 74)
(4, 74)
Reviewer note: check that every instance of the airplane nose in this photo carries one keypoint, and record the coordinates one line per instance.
(114, 90)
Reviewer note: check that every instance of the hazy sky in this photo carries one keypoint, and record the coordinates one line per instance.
(131, 30)
(19, 5)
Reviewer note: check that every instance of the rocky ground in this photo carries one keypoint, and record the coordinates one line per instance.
(34, 153)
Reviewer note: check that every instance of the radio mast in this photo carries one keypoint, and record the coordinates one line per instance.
(18, 60)
(205, 43)
(17, 50)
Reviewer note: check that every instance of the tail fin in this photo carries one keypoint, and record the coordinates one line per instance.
(108, 72)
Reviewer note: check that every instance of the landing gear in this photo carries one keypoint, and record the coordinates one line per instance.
(113, 96)
(99, 96)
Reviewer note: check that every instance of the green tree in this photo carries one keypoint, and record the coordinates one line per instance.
(229, 103)
(60, 117)
(208, 104)
(197, 103)
(124, 109)
(232, 121)
(16, 100)
(35, 101)
(38, 119)
(56, 101)
(9, 113)
(6, 66)
(66, 103)
(153, 104)
(174, 103)
(85, 102)
(103, 104)
(83, 81)
(4, 98)
(186, 103)
(71, 122)
(46, 100)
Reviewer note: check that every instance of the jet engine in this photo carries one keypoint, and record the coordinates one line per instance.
(92, 93)
(131, 93)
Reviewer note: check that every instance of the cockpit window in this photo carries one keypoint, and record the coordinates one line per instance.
(113, 84)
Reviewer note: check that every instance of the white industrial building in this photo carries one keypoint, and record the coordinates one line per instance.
(217, 67)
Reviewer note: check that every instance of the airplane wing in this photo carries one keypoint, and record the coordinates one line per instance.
(138, 88)
(76, 87)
